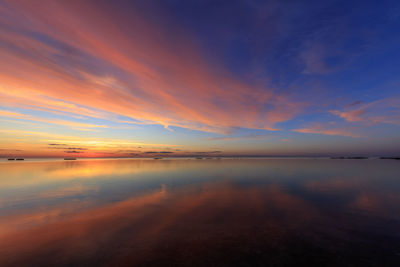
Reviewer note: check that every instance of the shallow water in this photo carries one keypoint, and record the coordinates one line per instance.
(246, 212)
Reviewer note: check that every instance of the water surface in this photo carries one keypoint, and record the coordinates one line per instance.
(181, 212)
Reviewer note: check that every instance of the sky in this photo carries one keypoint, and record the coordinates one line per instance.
(190, 78)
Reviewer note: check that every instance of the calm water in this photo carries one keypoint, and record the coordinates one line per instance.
(246, 212)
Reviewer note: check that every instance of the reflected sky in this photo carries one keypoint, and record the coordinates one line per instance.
(200, 212)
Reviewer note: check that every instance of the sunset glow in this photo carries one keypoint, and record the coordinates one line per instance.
(176, 78)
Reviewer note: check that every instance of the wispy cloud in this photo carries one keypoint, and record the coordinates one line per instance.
(68, 148)
(208, 152)
(352, 115)
(72, 124)
(385, 110)
(242, 137)
(57, 144)
(328, 129)
(158, 152)
(146, 77)
(73, 152)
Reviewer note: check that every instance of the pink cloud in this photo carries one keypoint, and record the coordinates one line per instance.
(352, 116)
(329, 129)
(385, 110)
(149, 74)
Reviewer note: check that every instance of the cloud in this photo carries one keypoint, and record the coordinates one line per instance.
(33, 144)
(314, 60)
(351, 116)
(208, 152)
(355, 103)
(359, 115)
(127, 151)
(243, 137)
(386, 110)
(328, 129)
(158, 152)
(72, 124)
(69, 148)
(57, 144)
(104, 62)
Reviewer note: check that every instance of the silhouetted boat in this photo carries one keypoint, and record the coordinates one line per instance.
(69, 158)
(19, 159)
(157, 158)
(11, 159)
(396, 158)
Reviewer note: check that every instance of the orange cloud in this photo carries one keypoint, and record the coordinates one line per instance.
(75, 125)
(35, 144)
(125, 65)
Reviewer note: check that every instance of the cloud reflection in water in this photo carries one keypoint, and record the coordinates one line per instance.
(187, 212)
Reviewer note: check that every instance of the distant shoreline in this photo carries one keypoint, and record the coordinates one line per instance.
(27, 159)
